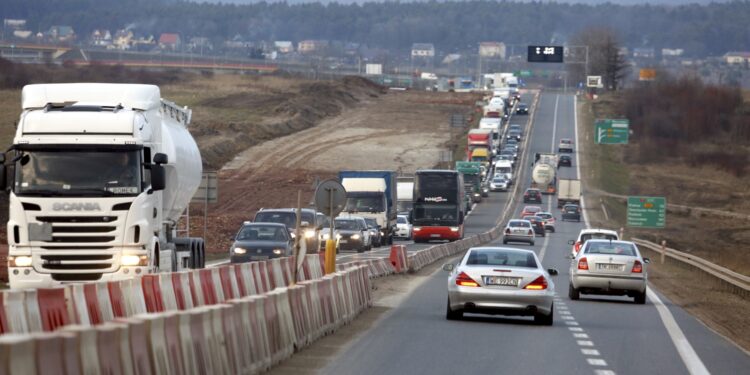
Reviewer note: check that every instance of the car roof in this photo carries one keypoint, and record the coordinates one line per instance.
(524, 220)
(286, 210)
(532, 208)
(264, 224)
(532, 189)
(598, 230)
(499, 248)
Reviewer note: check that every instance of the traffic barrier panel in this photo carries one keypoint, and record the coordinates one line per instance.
(136, 342)
(228, 282)
(117, 300)
(237, 271)
(217, 340)
(85, 347)
(152, 293)
(183, 291)
(168, 294)
(230, 329)
(135, 302)
(14, 304)
(71, 358)
(49, 353)
(200, 331)
(17, 354)
(33, 314)
(156, 336)
(53, 308)
(112, 359)
(187, 349)
(78, 310)
(172, 343)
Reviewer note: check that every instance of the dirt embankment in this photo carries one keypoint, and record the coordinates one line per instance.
(401, 131)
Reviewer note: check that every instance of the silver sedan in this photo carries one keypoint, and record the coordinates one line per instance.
(610, 268)
(500, 281)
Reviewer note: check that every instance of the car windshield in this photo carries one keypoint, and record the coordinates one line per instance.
(498, 180)
(262, 233)
(598, 236)
(610, 248)
(346, 224)
(518, 224)
(78, 173)
(402, 220)
(501, 258)
(287, 218)
(570, 208)
(371, 222)
(545, 216)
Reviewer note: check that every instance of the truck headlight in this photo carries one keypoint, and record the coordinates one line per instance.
(278, 251)
(454, 229)
(19, 261)
(325, 236)
(309, 233)
(416, 229)
(239, 250)
(134, 260)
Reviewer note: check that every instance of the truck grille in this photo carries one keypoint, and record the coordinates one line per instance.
(82, 247)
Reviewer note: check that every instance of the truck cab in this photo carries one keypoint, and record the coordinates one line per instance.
(99, 176)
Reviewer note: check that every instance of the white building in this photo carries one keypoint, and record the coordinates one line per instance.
(492, 50)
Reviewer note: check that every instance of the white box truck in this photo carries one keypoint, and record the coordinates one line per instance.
(568, 191)
(98, 177)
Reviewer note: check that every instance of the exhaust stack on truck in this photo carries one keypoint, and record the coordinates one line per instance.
(100, 175)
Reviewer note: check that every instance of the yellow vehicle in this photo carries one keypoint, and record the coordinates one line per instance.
(481, 155)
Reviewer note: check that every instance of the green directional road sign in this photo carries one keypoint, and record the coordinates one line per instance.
(525, 73)
(610, 131)
(647, 212)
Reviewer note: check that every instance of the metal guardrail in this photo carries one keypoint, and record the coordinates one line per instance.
(738, 283)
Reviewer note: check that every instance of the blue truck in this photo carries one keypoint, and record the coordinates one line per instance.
(372, 194)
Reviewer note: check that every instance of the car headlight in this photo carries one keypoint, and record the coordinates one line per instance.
(493, 185)
(416, 229)
(338, 236)
(278, 251)
(454, 229)
(325, 236)
(134, 260)
(292, 234)
(309, 233)
(355, 236)
(381, 233)
(19, 261)
(476, 194)
(239, 250)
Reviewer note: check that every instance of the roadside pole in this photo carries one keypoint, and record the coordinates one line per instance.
(330, 260)
(297, 234)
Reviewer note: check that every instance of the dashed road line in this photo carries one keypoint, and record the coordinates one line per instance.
(592, 352)
(596, 362)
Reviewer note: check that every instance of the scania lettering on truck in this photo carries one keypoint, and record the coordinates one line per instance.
(372, 194)
(439, 207)
(99, 175)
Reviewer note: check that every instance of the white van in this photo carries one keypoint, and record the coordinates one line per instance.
(504, 167)
(492, 123)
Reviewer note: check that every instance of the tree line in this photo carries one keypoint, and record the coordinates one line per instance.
(700, 30)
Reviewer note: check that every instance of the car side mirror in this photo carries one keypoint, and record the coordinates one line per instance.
(449, 267)
(158, 178)
(646, 260)
(552, 271)
(571, 242)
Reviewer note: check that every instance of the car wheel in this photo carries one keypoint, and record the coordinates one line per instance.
(505, 242)
(453, 314)
(545, 320)
(531, 243)
(573, 293)
(640, 298)
(552, 229)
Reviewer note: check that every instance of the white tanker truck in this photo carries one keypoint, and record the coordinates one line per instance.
(543, 175)
(98, 176)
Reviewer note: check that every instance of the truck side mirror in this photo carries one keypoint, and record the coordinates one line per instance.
(3, 182)
(158, 177)
(161, 158)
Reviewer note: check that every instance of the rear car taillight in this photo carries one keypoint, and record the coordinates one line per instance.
(507, 231)
(637, 267)
(583, 264)
(531, 232)
(540, 283)
(464, 280)
(578, 246)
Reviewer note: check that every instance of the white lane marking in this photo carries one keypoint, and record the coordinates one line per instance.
(596, 361)
(592, 352)
(563, 312)
(580, 335)
(473, 206)
(585, 343)
(572, 323)
(217, 263)
(578, 159)
(575, 329)
(687, 353)
(543, 250)
(604, 372)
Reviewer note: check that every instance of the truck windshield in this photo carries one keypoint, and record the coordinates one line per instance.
(404, 206)
(373, 203)
(78, 173)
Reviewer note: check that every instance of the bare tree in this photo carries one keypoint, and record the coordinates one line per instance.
(604, 57)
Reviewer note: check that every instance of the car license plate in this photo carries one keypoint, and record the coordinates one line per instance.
(519, 231)
(258, 257)
(501, 280)
(435, 235)
(609, 267)
(343, 241)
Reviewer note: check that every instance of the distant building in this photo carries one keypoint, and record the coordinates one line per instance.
(492, 50)
(283, 46)
(423, 50)
(61, 34)
(200, 44)
(737, 58)
(310, 46)
(101, 38)
(169, 41)
(123, 39)
(672, 52)
(643, 53)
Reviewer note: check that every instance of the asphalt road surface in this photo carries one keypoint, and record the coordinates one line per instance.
(600, 335)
